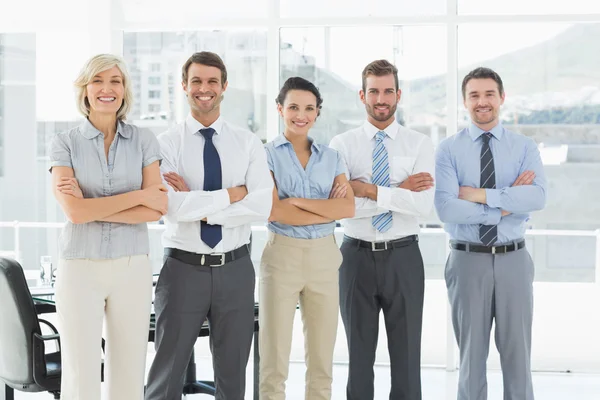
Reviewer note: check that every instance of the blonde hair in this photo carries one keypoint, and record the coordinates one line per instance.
(93, 67)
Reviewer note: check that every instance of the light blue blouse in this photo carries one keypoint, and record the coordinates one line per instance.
(293, 181)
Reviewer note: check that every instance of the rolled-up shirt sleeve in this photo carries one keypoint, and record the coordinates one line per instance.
(60, 152)
(150, 148)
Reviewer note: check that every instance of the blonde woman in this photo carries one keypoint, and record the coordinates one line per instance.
(106, 178)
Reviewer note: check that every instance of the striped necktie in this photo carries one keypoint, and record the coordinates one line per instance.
(487, 233)
(381, 177)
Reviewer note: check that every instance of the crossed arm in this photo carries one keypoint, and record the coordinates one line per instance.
(145, 205)
(231, 207)
(301, 212)
(467, 205)
(414, 196)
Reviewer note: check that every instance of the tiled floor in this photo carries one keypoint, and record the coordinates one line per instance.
(437, 384)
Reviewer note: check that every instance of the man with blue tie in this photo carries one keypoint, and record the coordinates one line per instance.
(390, 170)
(488, 180)
(219, 184)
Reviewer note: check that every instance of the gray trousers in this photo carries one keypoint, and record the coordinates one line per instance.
(392, 281)
(483, 288)
(185, 296)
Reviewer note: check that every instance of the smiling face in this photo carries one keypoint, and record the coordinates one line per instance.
(380, 98)
(483, 101)
(105, 92)
(299, 112)
(204, 89)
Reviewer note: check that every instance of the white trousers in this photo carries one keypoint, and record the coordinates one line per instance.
(119, 293)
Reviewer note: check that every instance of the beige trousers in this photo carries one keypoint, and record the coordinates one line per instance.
(292, 270)
(119, 293)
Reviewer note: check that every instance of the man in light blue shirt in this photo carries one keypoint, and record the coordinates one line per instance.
(488, 180)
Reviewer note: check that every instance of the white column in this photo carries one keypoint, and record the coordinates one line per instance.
(451, 126)
(105, 27)
(272, 69)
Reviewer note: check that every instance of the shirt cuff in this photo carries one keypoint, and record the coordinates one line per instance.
(60, 163)
(221, 199)
(494, 215)
(384, 197)
(492, 198)
(150, 160)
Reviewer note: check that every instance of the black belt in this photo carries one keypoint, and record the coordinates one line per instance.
(479, 248)
(381, 246)
(209, 260)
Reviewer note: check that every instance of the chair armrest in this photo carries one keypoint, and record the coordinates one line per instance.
(40, 372)
(54, 336)
(44, 308)
(50, 337)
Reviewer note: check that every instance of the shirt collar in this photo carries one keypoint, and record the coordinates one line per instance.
(89, 131)
(391, 131)
(193, 125)
(282, 140)
(475, 131)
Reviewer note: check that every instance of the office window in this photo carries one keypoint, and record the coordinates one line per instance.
(154, 80)
(550, 73)
(136, 11)
(154, 67)
(521, 7)
(360, 8)
(244, 103)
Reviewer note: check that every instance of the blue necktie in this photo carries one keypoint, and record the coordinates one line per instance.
(487, 233)
(381, 177)
(211, 234)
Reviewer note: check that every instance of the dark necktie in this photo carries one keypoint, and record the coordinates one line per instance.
(487, 233)
(211, 234)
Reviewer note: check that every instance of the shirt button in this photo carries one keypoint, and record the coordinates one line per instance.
(106, 175)
(106, 239)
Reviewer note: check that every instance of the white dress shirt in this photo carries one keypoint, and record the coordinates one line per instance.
(243, 162)
(409, 152)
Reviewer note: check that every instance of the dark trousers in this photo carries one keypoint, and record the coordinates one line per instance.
(186, 295)
(393, 281)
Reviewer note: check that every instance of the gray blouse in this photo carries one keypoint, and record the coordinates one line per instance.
(82, 148)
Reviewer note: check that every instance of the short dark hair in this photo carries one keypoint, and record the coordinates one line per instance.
(379, 68)
(207, 58)
(482, 73)
(298, 83)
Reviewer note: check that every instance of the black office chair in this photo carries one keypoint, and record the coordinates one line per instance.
(24, 364)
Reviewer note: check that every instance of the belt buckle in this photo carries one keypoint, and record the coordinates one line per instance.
(214, 265)
(493, 249)
(374, 248)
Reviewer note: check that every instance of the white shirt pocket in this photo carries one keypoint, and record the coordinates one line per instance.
(400, 169)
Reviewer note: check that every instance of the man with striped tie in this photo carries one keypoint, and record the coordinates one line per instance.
(488, 180)
(390, 170)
